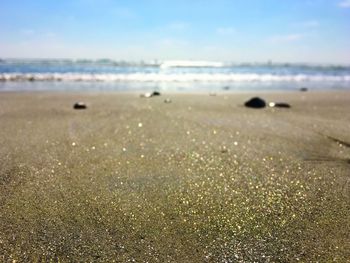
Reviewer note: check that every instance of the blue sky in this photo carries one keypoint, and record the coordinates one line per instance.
(316, 31)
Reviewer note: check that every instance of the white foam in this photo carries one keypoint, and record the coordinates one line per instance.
(190, 64)
(163, 77)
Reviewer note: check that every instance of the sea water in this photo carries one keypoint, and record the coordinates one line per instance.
(172, 76)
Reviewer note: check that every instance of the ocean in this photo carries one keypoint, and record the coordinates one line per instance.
(172, 76)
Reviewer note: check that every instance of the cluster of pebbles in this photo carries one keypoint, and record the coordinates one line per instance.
(256, 102)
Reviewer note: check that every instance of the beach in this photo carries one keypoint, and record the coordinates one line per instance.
(198, 179)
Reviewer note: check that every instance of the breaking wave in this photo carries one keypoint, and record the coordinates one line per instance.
(163, 77)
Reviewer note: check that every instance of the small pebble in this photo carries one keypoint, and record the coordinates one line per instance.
(79, 106)
(224, 149)
(279, 105)
(150, 94)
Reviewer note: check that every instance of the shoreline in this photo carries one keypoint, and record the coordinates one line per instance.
(184, 93)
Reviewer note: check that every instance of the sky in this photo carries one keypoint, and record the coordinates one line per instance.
(311, 31)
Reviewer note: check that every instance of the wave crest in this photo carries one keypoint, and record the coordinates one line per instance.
(160, 77)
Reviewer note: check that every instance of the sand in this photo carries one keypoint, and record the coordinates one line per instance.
(201, 179)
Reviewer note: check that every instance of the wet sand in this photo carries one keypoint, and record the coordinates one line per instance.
(201, 179)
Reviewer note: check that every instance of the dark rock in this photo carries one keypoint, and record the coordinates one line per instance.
(80, 106)
(282, 105)
(303, 89)
(279, 105)
(150, 94)
(256, 103)
(224, 149)
(167, 100)
(156, 93)
(226, 88)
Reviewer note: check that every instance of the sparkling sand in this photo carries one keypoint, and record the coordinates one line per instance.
(197, 179)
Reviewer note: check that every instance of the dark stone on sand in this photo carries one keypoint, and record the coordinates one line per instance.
(282, 105)
(256, 103)
(224, 149)
(167, 100)
(303, 89)
(79, 106)
(155, 93)
(150, 94)
(279, 105)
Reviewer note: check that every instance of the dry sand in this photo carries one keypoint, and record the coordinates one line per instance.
(201, 179)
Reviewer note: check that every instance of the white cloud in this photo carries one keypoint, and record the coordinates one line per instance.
(174, 27)
(285, 38)
(27, 32)
(344, 4)
(172, 43)
(36, 35)
(306, 24)
(177, 26)
(50, 34)
(226, 31)
(310, 24)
